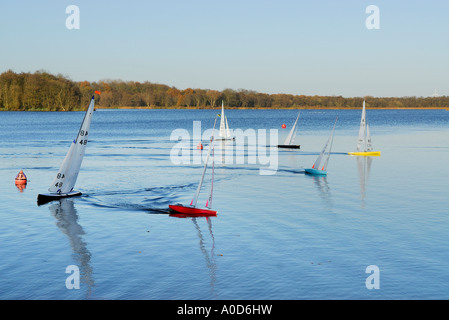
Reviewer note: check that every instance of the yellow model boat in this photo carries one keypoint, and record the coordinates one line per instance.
(368, 153)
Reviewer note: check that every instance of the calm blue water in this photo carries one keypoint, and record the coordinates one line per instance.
(280, 236)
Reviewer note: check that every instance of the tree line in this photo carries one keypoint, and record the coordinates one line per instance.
(44, 91)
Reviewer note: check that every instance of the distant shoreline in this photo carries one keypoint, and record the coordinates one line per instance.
(234, 108)
(42, 91)
(297, 108)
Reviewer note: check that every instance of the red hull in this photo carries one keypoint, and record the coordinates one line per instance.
(191, 211)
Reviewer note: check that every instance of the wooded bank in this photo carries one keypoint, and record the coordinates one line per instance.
(42, 91)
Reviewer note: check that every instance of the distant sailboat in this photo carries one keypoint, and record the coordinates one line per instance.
(225, 133)
(364, 147)
(315, 170)
(192, 210)
(288, 143)
(64, 182)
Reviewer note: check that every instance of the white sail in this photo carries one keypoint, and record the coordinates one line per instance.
(317, 163)
(195, 198)
(68, 173)
(209, 200)
(330, 147)
(369, 147)
(364, 140)
(222, 122)
(224, 132)
(362, 131)
(228, 132)
(211, 146)
(291, 136)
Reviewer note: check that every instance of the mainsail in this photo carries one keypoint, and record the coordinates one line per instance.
(209, 201)
(330, 148)
(364, 140)
(195, 198)
(317, 163)
(68, 173)
(291, 136)
(225, 133)
(364, 145)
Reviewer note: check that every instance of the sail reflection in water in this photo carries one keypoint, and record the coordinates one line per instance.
(209, 257)
(322, 185)
(67, 221)
(364, 168)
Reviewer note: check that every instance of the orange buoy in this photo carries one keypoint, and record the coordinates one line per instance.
(21, 178)
(199, 146)
(284, 126)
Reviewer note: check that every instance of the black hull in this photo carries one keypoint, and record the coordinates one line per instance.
(289, 146)
(48, 197)
(225, 139)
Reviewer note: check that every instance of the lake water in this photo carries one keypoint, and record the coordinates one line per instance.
(282, 235)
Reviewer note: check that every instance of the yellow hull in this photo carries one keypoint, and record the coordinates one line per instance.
(369, 154)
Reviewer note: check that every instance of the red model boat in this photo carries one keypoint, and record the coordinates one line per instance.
(191, 211)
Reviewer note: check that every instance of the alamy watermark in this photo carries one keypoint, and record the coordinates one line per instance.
(247, 147)
(373, 280)
(73, 20)
(372, 22)
(73, 280)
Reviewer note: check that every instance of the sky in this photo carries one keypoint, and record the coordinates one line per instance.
(315, 47)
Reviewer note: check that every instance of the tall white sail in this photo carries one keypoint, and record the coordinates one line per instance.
(317, 163)
(209, 200)
(211, 146)
(330, 147)
(291, 136)
(224, 132)
(364, 144)
(362, 131)
(68, 172)
(222, 122)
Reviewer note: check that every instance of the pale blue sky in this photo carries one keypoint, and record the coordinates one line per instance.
(298, 47)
